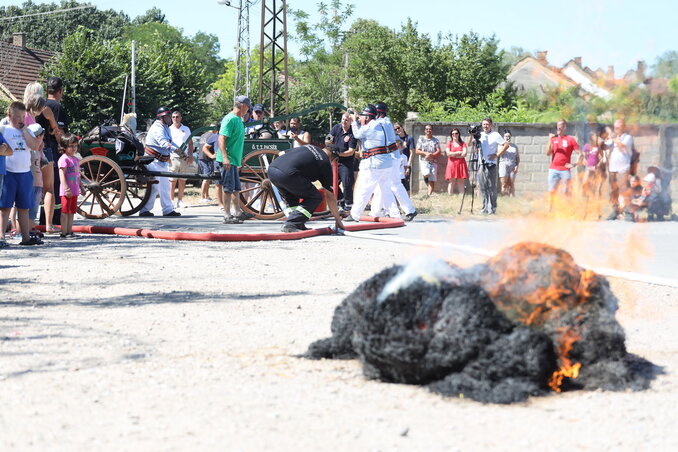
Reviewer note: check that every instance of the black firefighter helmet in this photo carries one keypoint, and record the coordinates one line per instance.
(162, 111)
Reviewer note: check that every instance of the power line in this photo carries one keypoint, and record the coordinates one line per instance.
(56, 11)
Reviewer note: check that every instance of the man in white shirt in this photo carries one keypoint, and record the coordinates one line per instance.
(180, 164)
(619, 164)
(487, 165)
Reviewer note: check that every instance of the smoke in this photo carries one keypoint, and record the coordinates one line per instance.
(424, 267)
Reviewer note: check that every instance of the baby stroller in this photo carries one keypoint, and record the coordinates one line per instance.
(659, 204)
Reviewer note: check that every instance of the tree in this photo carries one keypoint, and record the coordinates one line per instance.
(515, 54)
(673, 85)
(666, 65)
(379, 71)
(94, 71)
(48, 32)
(476, 68)
(320, 76)
(204, 47)
(406, 69)
(152, 15)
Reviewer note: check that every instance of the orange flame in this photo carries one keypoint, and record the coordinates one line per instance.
(567, 368)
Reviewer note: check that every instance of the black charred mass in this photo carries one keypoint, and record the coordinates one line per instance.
(483, 333)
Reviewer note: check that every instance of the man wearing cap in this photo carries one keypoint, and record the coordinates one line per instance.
(341, 136)
(257, 115)
(159, 145)
(293, 174)
(376, 163)
(231, 142)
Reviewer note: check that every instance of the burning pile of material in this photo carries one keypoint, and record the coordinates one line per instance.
(526, 322)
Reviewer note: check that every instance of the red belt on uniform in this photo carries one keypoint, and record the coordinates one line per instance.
(375, 151)
(392, 147)
(157, 155)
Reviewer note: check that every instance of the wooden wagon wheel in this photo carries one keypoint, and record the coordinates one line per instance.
(137, 194)
(255, 198)
(105, 185)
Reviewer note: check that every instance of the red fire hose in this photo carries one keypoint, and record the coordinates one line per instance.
(366, 223)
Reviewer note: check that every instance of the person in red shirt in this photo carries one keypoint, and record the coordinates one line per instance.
(560, 148)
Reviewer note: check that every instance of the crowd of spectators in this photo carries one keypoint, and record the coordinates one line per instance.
(39, 166)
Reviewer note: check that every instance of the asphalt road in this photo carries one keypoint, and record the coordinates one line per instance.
(643, 248)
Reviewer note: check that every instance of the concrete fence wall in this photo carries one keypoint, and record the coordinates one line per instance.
(655, 143)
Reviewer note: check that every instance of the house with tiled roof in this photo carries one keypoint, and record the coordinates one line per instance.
(19, 66)
(536, 74)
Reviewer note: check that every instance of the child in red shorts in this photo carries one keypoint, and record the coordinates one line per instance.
(71, 185)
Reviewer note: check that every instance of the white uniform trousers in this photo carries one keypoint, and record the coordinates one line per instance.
(369, 180)
(398, 189)
(162, 188)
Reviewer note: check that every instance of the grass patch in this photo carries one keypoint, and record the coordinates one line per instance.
(444, 205)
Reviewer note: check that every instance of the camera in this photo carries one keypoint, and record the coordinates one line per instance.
(474, 130)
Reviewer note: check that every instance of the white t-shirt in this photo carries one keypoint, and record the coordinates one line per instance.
(620, 159)
(403, 164)
(179, 136)
(20, 161)
(489, 143)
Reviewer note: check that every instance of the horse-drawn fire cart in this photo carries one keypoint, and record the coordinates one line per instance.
(118, 183)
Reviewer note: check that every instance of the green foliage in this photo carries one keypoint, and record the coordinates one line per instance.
(662, 107)
(148, 32)
(666, 65)
(320, 76)
(48, 32)
(172, 69)
(493, 106)
(152, 15)
(515, 54)
(203, 47)
(673, 85)
(474, 67)
(94, 72)
(405, 68)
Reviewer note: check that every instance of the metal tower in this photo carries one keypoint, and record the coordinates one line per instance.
(273, 57)
(242, 61)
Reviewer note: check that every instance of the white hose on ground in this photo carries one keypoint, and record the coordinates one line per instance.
(611, 272)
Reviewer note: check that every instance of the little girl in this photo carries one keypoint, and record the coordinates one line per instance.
(69, 175)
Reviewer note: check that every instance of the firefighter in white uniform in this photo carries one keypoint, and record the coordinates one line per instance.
(376, 164)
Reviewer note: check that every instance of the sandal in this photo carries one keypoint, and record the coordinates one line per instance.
(38, 234)
(51, 230)
(32, 241)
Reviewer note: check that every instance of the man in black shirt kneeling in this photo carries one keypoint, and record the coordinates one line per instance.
(293, 174)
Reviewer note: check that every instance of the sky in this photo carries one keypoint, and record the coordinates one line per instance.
(602, 32)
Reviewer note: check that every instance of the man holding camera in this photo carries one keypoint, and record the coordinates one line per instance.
(487, 164)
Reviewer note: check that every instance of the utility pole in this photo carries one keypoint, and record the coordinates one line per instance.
(242, 62)
(133, 87)
(273, 59)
